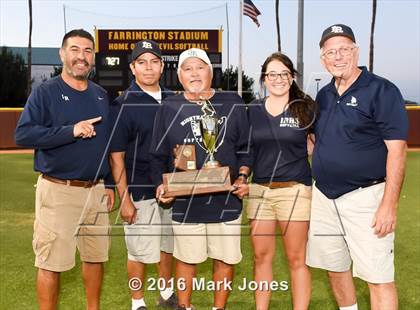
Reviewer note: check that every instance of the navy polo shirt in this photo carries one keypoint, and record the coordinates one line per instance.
(47, 122)
(279, 146)
(177, 122)
(350, 131)
(133, 114)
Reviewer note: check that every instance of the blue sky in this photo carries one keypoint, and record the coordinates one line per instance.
(397, 35)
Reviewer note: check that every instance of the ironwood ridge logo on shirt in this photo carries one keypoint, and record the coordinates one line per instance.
(291, 122)
(195, 128)
(194, 122)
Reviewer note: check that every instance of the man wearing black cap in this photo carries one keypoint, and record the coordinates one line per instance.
(358, 166)
(149, 236)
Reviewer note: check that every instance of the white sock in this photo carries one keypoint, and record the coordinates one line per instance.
(166, 293)
(136, 303)
(352, 307)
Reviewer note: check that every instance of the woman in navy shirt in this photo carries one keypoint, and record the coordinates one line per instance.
(280, 194)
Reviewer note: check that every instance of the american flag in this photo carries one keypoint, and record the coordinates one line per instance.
(251, 11)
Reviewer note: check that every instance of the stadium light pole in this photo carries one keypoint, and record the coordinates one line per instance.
(64, 18)
(300, 44)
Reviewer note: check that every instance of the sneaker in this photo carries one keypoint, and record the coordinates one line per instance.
(142, 308)
(171, 302)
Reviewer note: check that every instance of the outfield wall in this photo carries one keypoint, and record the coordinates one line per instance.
(8, 120)
(10, 116)
(414, 130)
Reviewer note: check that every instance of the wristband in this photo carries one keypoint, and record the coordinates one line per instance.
(241, 174)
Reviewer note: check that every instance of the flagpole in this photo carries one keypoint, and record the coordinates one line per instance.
(300, 44)
(241, 10)
(228, 61)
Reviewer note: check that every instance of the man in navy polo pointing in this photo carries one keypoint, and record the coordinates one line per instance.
(358, 167)
(66, 121)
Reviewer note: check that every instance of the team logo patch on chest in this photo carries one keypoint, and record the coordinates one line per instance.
(194, 122)
(353, 102)
(290, 122)
(64, 97)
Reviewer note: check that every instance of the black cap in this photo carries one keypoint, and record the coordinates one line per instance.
(337, 30)
(146, 46)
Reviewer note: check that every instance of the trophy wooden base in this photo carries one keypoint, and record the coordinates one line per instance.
(203, 181)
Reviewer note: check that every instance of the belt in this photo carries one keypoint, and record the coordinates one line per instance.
(374, 182)
(273, 185)
(78, 183)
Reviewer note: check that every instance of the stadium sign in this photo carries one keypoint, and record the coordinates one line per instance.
(114, 46)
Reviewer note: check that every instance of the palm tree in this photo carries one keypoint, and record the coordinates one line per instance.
(278, 25)
(372, 30)
(29, 78)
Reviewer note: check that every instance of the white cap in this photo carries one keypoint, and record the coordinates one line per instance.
(194, 52)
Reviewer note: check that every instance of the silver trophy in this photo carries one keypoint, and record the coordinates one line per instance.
(209, 128)
(209, 133)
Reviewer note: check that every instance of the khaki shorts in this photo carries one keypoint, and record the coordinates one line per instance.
(340, 233)
(281, 204)
(151, 234)
(194, 243)
(67, 217)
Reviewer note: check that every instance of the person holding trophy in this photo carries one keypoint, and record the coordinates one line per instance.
(280, 195)
(208, 131)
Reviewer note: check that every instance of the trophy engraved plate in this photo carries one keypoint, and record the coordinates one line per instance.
(185, 157)
(196, 182)
(209, 134)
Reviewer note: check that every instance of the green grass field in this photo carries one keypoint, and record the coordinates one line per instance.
(17, 274)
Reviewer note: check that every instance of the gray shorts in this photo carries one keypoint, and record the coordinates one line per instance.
(340, 235)
(150, 234)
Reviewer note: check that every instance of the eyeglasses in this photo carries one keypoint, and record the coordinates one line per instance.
(273, 75)
(344, 51)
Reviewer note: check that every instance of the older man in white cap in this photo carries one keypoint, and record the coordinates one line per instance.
(205, 225)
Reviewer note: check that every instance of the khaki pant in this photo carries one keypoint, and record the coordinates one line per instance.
(67, 217)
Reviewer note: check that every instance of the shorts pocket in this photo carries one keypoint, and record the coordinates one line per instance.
(42, 241)
(257, 191)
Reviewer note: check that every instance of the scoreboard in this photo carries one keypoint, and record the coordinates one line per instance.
(113, 54)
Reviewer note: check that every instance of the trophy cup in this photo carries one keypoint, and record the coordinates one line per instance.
(212, 178)
(209, 128)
